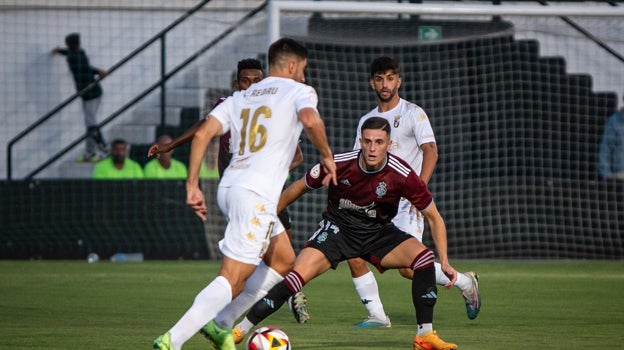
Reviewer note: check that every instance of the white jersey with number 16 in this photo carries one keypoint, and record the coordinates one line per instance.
(265, 130)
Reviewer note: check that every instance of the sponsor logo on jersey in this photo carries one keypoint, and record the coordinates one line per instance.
(239, 164)
(345, 182)
(368, 210)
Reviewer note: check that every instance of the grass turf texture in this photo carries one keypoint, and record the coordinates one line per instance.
(526, 305)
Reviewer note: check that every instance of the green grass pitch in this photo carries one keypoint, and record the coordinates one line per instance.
(526, 305)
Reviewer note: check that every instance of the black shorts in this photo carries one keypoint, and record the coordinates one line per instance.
(284, 218)
(339, 243)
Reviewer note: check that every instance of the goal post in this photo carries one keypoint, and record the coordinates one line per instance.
(276, 7)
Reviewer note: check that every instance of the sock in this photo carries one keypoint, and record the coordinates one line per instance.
(424, 328)
(257, 286)
(367, 289)
(207, 304)
(462, 282)
(424, 290)
(245, 325)
(275, 298)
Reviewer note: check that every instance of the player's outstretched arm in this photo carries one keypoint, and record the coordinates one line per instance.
(157, 148)
(195, 200)
(430, 158)
(438, 232)
(315, 129)
(194, 197)
(291, 193)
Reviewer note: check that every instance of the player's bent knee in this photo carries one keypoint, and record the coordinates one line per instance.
(358, 267)
(407, 273)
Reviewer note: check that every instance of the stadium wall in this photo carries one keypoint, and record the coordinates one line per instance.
(68, 219)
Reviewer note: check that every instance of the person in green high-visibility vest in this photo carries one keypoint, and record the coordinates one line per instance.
(118, 166)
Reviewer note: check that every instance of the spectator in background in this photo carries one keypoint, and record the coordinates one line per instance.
(611, 153)
(84, 75)
(165, 166)
(118, 166)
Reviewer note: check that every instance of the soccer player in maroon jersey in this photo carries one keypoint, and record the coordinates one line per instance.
(357, 223)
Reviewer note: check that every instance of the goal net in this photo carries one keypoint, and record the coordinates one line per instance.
(518, 97)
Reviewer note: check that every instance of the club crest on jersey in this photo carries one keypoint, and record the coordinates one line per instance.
(397, 121)
(381, 189)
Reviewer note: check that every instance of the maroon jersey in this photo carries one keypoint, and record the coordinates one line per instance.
(225, 156)
(366, 201)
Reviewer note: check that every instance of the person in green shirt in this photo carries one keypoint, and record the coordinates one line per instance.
(165, 166)
(118, 166)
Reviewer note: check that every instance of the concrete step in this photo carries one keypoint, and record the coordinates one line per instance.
(73, 170)
(133, 133)
(151, 116)
(183, 97)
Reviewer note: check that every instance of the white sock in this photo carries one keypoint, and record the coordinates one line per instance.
(367, 289)
(207, 304)
(425, 328)
(462, 281)
(257, 286)
(441, 278)
(245, 326)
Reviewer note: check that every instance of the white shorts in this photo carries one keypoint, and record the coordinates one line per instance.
(252, 220)
(409, 219)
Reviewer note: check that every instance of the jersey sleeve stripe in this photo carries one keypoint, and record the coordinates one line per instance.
(343, 157)
(396, 165)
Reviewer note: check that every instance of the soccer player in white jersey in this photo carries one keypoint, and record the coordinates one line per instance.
(412, 140)
(266, 121)
(277, 262)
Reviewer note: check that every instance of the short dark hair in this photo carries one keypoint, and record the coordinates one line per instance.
(284, 47)
(119, 142)
(383, 64)
(376, 123)
(248, 63)
(72, 41)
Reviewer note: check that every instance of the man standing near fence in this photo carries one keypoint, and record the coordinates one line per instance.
(84, 75)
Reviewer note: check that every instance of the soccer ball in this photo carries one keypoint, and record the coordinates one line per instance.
(268, 338)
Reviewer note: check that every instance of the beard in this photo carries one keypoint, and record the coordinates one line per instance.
(386, 99)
